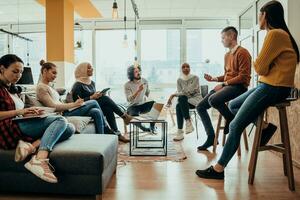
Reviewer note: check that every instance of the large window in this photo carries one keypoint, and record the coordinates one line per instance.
(205, 53)
(31, 52)
(160, 61)
(83, 46)
(112, 60)
(3, 44)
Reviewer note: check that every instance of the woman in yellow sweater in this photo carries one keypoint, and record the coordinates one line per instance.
(276, 66)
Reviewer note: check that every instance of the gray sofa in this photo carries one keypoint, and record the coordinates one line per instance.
(84, 165)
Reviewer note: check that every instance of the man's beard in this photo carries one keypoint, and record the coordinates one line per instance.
(137, 78)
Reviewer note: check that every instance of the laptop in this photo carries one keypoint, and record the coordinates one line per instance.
(153, 114)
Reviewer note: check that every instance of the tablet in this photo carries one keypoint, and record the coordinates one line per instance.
(105, 90)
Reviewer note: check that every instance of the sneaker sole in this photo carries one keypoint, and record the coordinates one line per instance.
(38, 175)
(177, 140)
(18, 157)
(188, 132)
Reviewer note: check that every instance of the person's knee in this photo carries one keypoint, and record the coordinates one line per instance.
(69, 131)
(105, 98)
(231, 106)
(214, 101)
(95, 111)
(200, 107)
(182, 99)
(60, 119)
(92, 104)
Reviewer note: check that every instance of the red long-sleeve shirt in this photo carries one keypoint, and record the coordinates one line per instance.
(237, 67)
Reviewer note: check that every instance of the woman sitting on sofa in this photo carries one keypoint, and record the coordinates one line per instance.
(28, 136)
(49, 97)
(85, 88)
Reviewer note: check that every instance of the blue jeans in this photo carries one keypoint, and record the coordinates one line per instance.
(50, 130)
(248, 107)
(91, 109)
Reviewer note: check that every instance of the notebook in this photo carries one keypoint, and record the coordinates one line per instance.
(71, 109)
(33, 116)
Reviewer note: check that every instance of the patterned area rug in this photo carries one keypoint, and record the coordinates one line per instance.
(174, 151)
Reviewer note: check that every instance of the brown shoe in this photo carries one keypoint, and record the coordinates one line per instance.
(127, 118)
(123, 139)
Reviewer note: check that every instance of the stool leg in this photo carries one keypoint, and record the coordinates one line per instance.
(224, 140)
(196, 123)
(217, 133)
(125, 129)
(288, 156)
(245, 140)
(172, 117)
(283, 155)
(239, 151)
(255, 149)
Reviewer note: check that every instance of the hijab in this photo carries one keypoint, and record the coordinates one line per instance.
(81, 73)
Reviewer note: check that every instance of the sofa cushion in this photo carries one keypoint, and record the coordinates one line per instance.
(81, 154)
(80, 122)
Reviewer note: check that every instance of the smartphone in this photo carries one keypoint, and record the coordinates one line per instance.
(105, 90)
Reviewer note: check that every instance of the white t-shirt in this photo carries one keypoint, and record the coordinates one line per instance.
(19, 104)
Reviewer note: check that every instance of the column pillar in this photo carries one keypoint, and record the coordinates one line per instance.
(60, 39)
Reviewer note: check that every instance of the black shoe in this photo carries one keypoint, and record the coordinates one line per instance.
(144, 129)
(107, 130)
(210, 173)
(267, 133)
(208, 143)
(153, 130)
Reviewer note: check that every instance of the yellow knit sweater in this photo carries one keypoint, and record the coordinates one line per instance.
(277, 60)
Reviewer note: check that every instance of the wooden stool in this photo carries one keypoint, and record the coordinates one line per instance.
(283, 147)
(219, 128)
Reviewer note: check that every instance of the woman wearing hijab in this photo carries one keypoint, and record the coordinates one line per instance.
(188, 93)
(85, 88)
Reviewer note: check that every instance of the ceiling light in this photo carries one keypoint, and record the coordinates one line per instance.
(115, 14)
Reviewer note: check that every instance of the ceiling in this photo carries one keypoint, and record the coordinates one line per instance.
(14, 11)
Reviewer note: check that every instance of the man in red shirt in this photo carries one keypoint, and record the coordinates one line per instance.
(234, 82)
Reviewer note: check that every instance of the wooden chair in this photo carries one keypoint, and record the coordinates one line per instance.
(221, 127)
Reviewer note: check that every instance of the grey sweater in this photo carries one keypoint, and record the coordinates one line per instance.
(131, 87)
(189, 88)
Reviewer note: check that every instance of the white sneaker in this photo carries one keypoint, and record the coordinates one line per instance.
(42, 169)
(179, 135)
(188, 126)
(23, 150)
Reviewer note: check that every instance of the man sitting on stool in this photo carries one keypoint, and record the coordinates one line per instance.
(235, 82)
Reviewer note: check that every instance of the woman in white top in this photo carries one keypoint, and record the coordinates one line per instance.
(188, 93)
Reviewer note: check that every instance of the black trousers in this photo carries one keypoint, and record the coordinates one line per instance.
(217, 100)
(183, 110)
(109, 107)
(136, 110)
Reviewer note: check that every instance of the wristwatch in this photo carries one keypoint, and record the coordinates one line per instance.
(224, 84)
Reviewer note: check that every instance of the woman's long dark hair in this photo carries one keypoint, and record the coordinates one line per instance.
(6, 61)
(275, 19)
